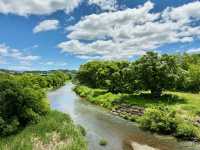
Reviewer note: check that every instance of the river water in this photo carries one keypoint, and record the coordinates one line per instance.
(101, 124)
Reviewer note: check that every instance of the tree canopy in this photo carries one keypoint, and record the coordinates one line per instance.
(151, 72)
(23, 100)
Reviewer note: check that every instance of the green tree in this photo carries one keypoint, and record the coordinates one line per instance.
(156, 73)
(194, 78)
(19, 106)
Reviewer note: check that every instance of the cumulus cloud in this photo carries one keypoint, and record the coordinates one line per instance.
(3, 49)
(20, 68)
(7, 52)
(194, 50)
(183, 14)
(53, 64)
(110, 5)
(122, 34)
(36, 7)
(46, 25)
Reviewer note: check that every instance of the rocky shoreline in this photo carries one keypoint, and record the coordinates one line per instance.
(131, 112)
(128, 111)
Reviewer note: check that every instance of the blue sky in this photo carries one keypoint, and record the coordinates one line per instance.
(62, 34)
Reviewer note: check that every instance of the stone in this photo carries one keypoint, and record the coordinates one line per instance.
(137, 146)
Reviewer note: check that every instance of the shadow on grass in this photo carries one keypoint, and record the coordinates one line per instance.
(145, 99)
(98, 92)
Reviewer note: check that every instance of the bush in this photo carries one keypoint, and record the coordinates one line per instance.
(186, 130)
(163, 120)
(8, 127)
(103, 142)
(19, 106)
(106, 100)
(159, 119)
(97, 96)
(83, 91)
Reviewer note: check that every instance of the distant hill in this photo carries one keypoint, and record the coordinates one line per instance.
(9, 71)
(37, 71)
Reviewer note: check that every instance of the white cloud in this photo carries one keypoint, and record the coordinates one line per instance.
(102, 26)
(53, 63)
(36, 7)
(110, 5)
(194, 50)
(7, 52)
(122, 34)
(46, 25)
(3, 49)
(99, 50)
(185, 13)
(49, 63)
(20, 68)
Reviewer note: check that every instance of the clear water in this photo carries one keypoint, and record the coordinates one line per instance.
(100, 124)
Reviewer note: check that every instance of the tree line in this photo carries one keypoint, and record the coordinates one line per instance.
(152, 72)
(23, 98)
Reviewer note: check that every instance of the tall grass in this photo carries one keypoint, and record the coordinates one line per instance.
(55, 131)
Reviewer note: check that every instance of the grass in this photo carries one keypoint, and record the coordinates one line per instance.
(186, 106)
(191, 104)
(55, 131)
(183, 102)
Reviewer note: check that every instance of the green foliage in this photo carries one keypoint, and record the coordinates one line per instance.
(97, 96)
(189, 74)
(159, 119)
(24, 108)
(113, 76)
(186, 130)
(162, 119)
(156, 73)
(19, 106)
(37, 81)
(57, 79)
(194, 78)
(103, 142)
(82, 130)
(183, 102)
(160, 115)
(23, 100)
(54, 131)
(152, 72)
(82, 91)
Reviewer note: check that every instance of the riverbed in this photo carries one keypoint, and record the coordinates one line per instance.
(101, 124)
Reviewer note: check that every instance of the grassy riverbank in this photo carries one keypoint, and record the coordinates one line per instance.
(185, 105)
(54, 131)
(187, 102)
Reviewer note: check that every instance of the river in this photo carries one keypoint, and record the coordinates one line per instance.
(101, 124)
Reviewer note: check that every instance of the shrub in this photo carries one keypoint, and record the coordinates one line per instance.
(8, 127)
(163, 120)
(83, 91)
(186, 130)
(103, 142)
(19, 106)
(159, 119)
